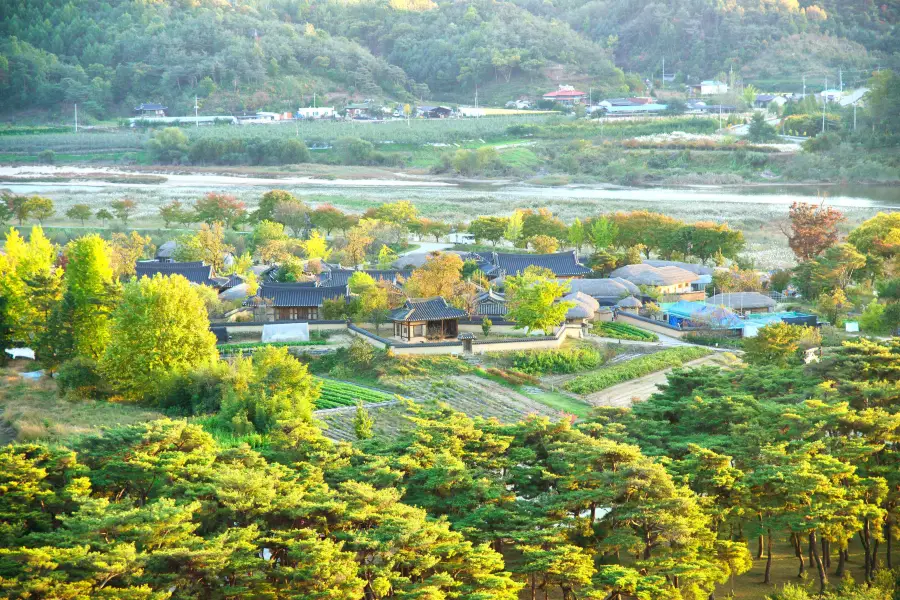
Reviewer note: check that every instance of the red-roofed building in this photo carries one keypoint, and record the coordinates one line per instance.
(566, 94)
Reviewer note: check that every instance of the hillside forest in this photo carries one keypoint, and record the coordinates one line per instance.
(109, 56)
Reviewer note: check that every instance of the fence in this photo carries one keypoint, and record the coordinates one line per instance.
(457, 347)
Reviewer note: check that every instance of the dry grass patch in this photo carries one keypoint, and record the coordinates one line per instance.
(32, 411)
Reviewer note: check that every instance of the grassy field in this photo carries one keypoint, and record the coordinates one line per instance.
(33, 411)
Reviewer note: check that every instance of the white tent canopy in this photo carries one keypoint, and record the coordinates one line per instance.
(287, 332)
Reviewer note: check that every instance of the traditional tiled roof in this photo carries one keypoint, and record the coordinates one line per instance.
(293, 294)
(646, 274)
(195, 272)
(426, 309)
(342, 276)
(563, 264)
(490, 296)
(741, 300)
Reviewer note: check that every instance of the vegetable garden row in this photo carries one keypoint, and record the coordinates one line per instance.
(335, 394)
(638, 367)
(623, 331)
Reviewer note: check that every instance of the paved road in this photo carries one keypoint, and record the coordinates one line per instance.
(427, 247)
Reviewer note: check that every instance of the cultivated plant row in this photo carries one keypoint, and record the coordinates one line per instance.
(618, 373)
(623, 331)
(340, 393)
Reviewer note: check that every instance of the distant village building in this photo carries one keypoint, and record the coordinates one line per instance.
(566, 95)
(831, 95)
(434, 112)
(150, 109)
(491, 304)
(321, 112)
(667, 279)
(360, 110)
(710, 87)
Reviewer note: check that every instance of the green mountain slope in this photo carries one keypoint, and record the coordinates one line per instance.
(110, 55)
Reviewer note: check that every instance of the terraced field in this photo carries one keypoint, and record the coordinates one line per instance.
(475, 396)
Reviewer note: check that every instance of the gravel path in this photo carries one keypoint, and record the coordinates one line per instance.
(624, 394)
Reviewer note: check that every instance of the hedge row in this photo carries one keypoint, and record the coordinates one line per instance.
(254, 345)
(638, 367)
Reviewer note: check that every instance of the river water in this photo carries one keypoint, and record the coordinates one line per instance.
(877, 197)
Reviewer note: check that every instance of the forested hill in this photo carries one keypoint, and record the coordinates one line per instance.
(275, 54)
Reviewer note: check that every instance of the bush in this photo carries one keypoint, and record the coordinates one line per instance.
(81, 378)
(48, 157)
(194, 393)
(539, 362)
(514, 377)
(638, 367)
(718, 341)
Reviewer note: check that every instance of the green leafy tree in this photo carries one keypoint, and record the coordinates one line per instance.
(40, 208)
(577, 234)
(173, 212)
(168, 145)
(386, 257)
(760, 131)
(492, 229)
(79, 323)
(123, 209)
(486, 325)
(362, 422)
(834, 306)
(160, 327)
(778, 343)
(532, 297)
(104, 216)
(602, 233)
(80, 212)
(268, 388)
(219, 208)
(269, 201)
(29, 281)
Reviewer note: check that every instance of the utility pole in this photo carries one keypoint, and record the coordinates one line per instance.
(76, 117)
(824, 103)
(854, 116)
(590, 96)
(476, 95)
(314, 99)
(804, 85)
(664, 73)
(196, 113)
(841, 77)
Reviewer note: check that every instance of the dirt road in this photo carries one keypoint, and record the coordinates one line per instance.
(623, 394)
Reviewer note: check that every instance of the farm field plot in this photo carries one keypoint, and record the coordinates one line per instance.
(625, 371)
(388, 421)
(623, 331)
(475, 396)
(335, 394)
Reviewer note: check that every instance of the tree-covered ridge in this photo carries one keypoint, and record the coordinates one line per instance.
(109, 56)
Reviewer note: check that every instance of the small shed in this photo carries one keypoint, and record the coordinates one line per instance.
(423, 319)
(151, 109)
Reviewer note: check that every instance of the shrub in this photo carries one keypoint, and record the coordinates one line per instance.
(638, 367)
(539, 362)
(48, 157)
(81, 378)
(514, 377)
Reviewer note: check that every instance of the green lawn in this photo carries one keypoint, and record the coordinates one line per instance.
(559, 401)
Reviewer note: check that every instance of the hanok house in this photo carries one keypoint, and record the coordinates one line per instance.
(195, 271)
(668, 280)
(434, 112)
(566, 95)
(151, 109)
(426, 319)
(294, 301)
(562, 264)
(490, 304)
